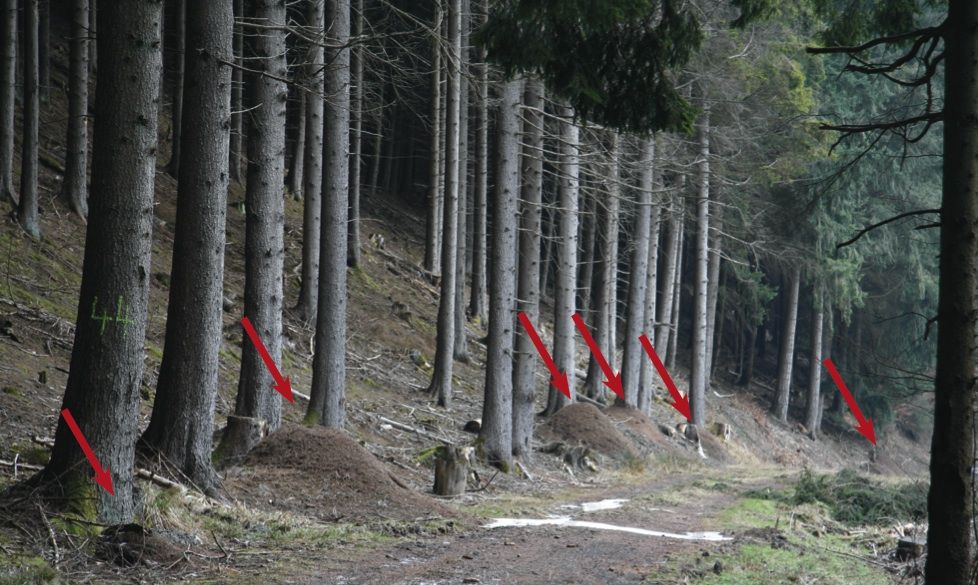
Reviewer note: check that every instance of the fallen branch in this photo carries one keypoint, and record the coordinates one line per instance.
(410, 429)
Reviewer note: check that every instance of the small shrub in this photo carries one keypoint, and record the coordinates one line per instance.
(857, 500)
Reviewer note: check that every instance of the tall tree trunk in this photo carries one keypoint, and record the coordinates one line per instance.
(673, 332)
(814, 402)
(477, 297)
(182, 423)
(751, 348)
(27, 207)
(828, 337)
(712, 295)
(950, 503)
(788, 346)
(528, 286)
(700, 367)
(312, 205)
(93, 38)
(441, 379)
(652, 284)
(589, 251)
(566, 292)
(547, 245)
(44, 49)
(8, 82)
(178, 81)
(432, 234)
(638, 278)
(237, 93)
(328, 396)
(106, 370)
(297, 166)
(497, 408)
(266, 95)
(670, 264)
(356, 143)
(461, 350)
(74, 189)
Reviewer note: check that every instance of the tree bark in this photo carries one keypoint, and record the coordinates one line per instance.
(27, 214)
(441, 380)
(700, 367)
(107, 356)
(528, 286)
(178, 80)
(44, 49)
(673, 332)
(589, 251)
(950, 503)
(312, 205)
(670, 262)
(432, 248)
(328, 396)
(297, 166)
(646, 374)
(788, 347)
(461, 350)
(814, 402)
(182, 422)
(638, 278)
(477, 297)
(712, 296)
(237, 93)
(565, 296)
(74, 189)
(497, 409)
(264, 225)
(8, 81)
(356, 143)
(93, 38)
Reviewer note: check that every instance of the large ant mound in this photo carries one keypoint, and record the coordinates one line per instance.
(584, 424)
(326, 473)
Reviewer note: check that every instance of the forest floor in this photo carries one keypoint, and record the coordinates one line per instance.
(314, 506)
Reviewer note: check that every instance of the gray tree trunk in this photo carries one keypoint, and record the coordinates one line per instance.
(44, 49)
(182, 422)
(8, 82)
(264, 228)
(638, 279)
(178, 80)
(528, 286)
(700, 367)
(585, 272)
(712, 296)
(670, 263)
(312, 205)
(328, 403)
(441, 380)
(646, 374)
(74, 189)
(298, 163)
(27, 206)
(237, 93)
(107, 358)
(93, 37)
(814, 402)
(461, 350)
(356, 146)
(673, 332)
(477, 297)
(565, 296)
(788, 347)
(950, 500)
(497, 408)
(432, 248)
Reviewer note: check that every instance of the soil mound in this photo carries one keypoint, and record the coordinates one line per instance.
(325, 473)
(584, 424)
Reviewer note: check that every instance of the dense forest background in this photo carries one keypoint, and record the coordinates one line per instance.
(474, 209)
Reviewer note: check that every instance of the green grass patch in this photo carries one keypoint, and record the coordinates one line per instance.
(26, 570)
(751, 513)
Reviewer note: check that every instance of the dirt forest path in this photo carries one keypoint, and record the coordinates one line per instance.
(561, 554)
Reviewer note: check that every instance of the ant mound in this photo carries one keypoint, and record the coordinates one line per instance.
(326, 473)
(584, 424)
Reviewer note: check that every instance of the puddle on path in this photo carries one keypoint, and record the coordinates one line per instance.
(596, 506)
(567, 521)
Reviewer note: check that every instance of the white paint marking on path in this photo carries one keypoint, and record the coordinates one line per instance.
(566, 521)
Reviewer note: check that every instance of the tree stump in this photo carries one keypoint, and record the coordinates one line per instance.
(451, 470)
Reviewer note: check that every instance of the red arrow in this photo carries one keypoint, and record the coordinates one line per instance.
(612, 380)
(865, 426)
(557, 378)
(679, 402)
(282, 385)
(103, 477)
